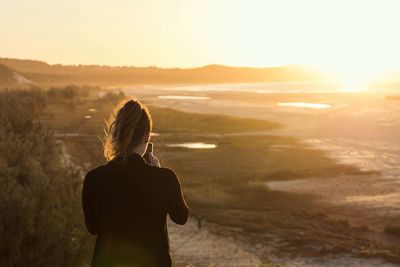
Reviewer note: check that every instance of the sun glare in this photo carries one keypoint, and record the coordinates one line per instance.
(354, 76)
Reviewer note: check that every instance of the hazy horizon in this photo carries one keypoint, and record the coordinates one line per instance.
(157, 66)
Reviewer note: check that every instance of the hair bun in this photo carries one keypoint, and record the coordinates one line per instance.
(133, 104)
(130, 123)
(131, 110)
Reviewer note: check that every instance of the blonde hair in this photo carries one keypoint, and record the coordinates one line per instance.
(128, 124)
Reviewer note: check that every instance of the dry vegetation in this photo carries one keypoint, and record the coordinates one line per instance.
(40, 222)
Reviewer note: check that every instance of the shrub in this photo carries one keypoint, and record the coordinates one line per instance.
(41, 221)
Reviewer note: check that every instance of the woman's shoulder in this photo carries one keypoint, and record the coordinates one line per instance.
(98, 169)
(96, 172)
(162, 170)
(164, 173)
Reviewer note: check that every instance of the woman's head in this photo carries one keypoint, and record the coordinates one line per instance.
(128, 130)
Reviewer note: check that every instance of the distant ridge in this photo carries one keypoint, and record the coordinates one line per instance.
(9, 77)
(46, 74)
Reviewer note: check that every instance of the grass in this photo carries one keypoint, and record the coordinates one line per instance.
(168, 120)
(70, 115)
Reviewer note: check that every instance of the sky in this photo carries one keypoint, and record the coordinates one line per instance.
(348, 36)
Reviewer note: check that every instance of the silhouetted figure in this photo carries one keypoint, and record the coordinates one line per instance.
(126, 201)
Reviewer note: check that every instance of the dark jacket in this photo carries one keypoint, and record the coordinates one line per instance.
(126, 205)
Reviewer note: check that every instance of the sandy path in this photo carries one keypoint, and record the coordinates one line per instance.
(201, 248)
(196, 247)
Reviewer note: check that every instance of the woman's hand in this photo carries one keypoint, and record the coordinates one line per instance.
(152, 160)
(149, 156)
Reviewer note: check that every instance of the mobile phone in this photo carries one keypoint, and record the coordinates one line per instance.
(149, 147)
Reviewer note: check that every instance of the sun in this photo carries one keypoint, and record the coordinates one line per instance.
(352, 77)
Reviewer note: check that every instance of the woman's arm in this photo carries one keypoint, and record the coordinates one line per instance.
(88, 211)
(178, 209)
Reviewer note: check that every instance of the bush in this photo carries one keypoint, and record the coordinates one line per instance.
(67, 92)
(70, 92)
(112, 97)
(41, 222)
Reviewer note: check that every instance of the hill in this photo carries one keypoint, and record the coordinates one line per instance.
(57, 74)
(9, 77)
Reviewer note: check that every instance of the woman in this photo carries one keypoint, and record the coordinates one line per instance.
(125, 202)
